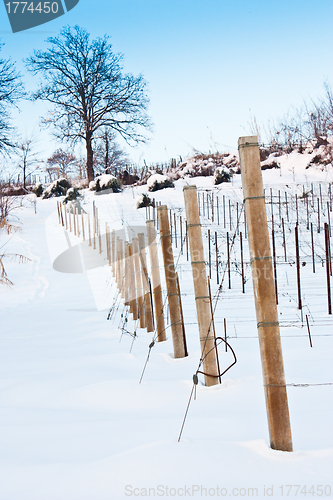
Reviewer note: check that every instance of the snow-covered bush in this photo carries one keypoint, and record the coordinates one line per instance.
(37, 189)
(56, 188)
(222, 174)
(143, 201)
(105, 181)
(72, 194)
(159, 181)
(200, 164)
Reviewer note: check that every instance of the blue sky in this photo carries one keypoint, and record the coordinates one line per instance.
(210, 65)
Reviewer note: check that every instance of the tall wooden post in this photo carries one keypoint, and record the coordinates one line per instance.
(156, 281)
(89, 230)
(138, 282)
(121, 266)
(202, 299)
(82, 220)
(126, 274)
(99, 236)
(145, 282)
(171, 283)
(113, 252)
(118, 264)
(132, 291)
(264, 293)
(65, 210)
(107, 241)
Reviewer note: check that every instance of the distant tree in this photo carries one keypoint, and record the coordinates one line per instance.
(85, 82)
(60, 164)
(28, 156)
(109, 157)
(11, 90)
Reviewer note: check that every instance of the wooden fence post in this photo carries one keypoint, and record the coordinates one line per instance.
(171, 283)
(202, 299)
(126, 274)
(138, 282)
(113, 251)
(132, 291)
(156, 281)
(145, 282)
(264, 293)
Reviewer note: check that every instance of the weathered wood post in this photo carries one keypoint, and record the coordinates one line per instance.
(107, 242)
(89, 230)
(202, 299)
(264, 293)
(126, 274)
(99, 236)
(120, 257)
(65, 210)
(82, 220)
(156, 281)
(171, 283)
(133, 303)
(113, 252)
(138, 282)
(74, 219)
(145, 283)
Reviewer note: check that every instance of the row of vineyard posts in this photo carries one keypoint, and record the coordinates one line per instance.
(143, 296)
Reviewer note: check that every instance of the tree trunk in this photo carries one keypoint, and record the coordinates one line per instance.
(90, 154)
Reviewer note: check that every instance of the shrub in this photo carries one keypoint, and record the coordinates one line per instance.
(158, 181)
(56, 188)
(222, 174)
(269, 165)
(144, 201)
(37, 189)
(105, 182)
(71, 195)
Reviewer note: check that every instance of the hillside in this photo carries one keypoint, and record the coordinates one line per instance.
(77, 424)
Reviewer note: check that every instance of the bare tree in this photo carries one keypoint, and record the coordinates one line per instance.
(11, 89)
(85, 83)
(28, 156)
(109, 157)
(61, 163)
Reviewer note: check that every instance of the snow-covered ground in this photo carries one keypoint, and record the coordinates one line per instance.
(76, 424)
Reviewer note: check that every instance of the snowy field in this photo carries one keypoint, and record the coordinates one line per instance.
(76, 424)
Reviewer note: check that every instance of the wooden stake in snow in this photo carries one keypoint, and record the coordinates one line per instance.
(74, 219)
(113, 251)
(133, 303)
(156, 281)
(99, 236)
(202, 300)
(89, 230)
(264, 293)
(145, 283)
(121, 266)
(82, 219)
(65, 210)
(171, 283)
(126, 274)
(107, 242)
(138, 282)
